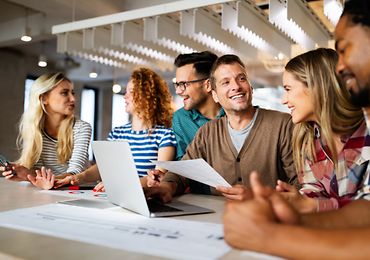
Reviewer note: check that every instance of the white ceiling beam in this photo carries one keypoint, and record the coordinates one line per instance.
(204, 28)
(165, 32)
(278, 15)
(130, 35)
(95, 44)
(333, 10)
(69, 41)
(95, 57)
(175, 6)
(248, 22)
(304, 16)
(93, 38)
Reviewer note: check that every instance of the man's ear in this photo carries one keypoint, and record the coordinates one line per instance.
(208, 86)
(215, 97)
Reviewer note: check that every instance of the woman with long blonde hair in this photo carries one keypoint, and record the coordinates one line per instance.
(149, 134)
(52, 141)
(328, 136)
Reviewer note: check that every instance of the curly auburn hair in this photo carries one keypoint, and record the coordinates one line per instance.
(152, 98)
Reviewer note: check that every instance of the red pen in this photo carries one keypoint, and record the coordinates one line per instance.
(76, 187)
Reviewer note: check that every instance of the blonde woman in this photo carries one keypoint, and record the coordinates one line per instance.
(329, 134)
(148, 101)
(51, 139)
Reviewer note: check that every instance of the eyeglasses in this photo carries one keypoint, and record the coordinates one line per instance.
(182, 85)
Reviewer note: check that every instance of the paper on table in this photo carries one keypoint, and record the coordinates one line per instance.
(78, 194)
(163, 237)
(197, 169)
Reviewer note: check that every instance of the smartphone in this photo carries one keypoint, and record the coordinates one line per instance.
(5, 163)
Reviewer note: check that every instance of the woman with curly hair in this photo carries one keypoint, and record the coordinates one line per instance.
(52, 141)
(148, 101)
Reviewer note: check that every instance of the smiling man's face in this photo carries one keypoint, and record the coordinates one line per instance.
(353, 47)
(233, 91)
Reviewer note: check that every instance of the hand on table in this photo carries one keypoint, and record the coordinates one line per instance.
(44, 178)
(99, 187)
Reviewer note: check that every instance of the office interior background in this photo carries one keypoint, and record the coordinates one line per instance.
(97, 43)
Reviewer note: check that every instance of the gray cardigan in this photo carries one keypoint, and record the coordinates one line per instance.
(267, 150)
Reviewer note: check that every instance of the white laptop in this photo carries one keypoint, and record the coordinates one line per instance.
(122, 183)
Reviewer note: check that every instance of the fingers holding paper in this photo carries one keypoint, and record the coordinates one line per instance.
(236, 192)
(240, 192)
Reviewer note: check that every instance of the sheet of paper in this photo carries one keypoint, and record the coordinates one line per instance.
(260, 256)
(197, 169)
(162, 237)
(78, 194)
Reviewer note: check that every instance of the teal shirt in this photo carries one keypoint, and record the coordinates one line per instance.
(185, 125)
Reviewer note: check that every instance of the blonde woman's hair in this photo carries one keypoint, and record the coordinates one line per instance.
(32, 124)
(333, 109)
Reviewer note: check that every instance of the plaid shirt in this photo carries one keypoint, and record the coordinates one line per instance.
(333, 189)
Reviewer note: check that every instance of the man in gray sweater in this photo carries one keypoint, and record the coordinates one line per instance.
(248, 138)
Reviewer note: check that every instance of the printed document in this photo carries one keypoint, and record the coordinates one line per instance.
(163, 237)
(197, 169)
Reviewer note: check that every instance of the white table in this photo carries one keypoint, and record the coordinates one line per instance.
(15, 244)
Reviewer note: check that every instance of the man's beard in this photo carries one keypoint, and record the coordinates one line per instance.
(362, 97)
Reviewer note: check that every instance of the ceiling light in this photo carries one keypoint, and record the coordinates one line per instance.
(26, 37)
(116, 88)
(42, 61)
(93, 74)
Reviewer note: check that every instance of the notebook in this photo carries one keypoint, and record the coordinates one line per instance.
(122, 183)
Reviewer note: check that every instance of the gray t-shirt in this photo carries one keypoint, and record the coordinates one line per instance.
(238, 136)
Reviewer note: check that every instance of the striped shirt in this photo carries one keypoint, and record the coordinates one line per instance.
(335, 188)
(79, 158)
(144, 145)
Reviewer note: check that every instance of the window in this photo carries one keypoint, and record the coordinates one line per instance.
(269, 98)
(88, 112)
(27, 88)
(119, 115)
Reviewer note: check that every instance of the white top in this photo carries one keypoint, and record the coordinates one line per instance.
(79, 158)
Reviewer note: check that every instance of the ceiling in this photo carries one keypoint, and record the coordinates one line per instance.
(41, 16)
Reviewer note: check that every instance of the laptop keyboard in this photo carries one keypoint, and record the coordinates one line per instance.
(155, 206)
